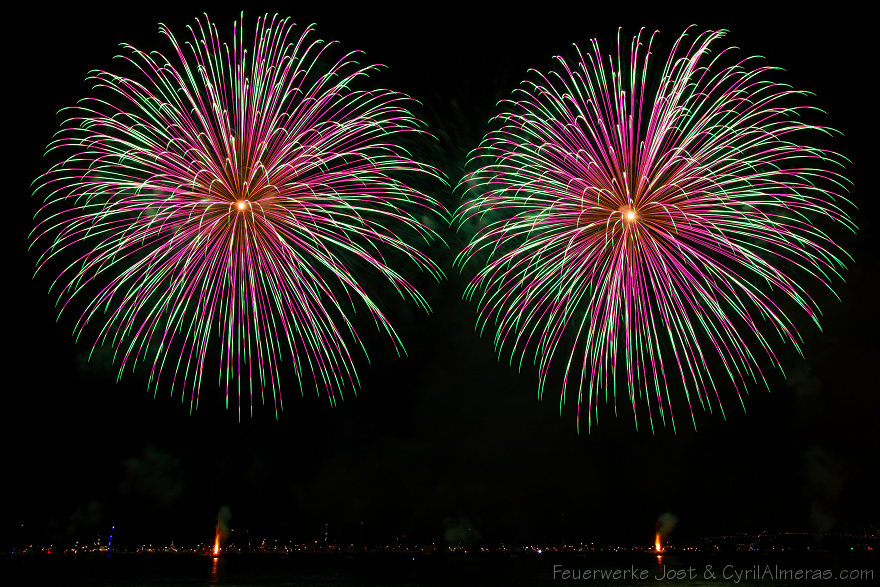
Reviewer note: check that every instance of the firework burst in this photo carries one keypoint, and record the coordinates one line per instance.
(643, 232)
(231, 199)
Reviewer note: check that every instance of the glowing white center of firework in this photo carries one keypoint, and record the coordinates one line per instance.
(629, 214)
(242, 204)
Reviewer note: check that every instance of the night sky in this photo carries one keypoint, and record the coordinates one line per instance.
(449, 438)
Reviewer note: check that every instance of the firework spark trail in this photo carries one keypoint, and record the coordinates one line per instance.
(234, 195)
(655, 225)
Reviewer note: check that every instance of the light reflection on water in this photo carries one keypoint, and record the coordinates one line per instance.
(329, 570)
(213, 581)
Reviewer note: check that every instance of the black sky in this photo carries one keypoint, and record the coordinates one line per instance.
(448, 436)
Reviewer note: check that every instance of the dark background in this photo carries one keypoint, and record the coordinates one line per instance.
(448, 443)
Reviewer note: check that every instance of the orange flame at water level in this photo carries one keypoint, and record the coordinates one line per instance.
(657, 546)
(217, 543)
